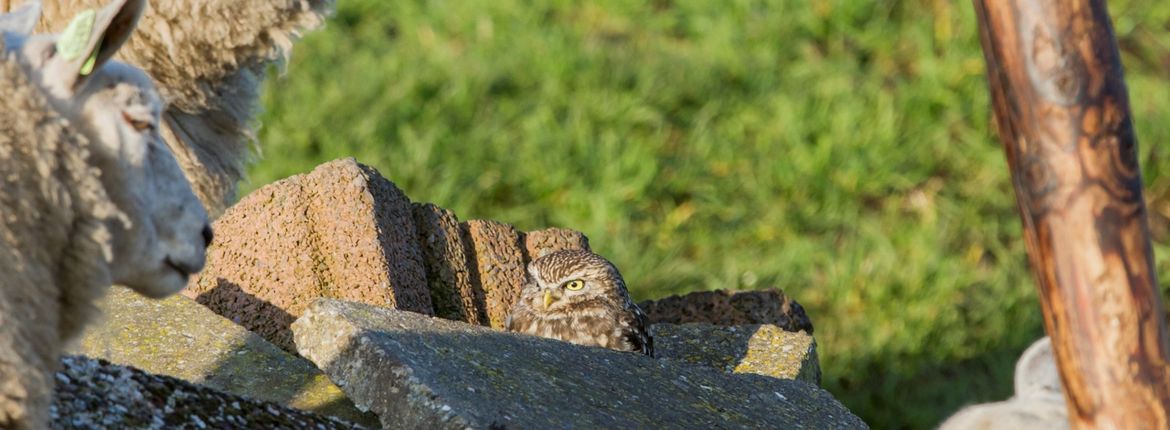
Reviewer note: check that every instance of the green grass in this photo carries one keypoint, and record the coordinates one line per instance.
(839, 150)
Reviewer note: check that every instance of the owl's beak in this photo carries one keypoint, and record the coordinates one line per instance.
(547, 298)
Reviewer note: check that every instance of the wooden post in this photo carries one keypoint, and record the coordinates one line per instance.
(1063, 114)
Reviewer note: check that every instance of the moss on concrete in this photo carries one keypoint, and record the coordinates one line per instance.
(761, 349)
(180, 338)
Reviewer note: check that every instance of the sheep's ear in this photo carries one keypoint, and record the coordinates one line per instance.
(1036, 372)
(22, 21)
(115, 24)
(93, 37)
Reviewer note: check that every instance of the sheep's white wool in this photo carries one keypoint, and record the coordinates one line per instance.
(1037, 404)
(209, 59)
(164, 234)
(89, 196)
(53, 244)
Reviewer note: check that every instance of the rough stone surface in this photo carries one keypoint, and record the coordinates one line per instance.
(541, 242)
(94, 394)
(449, 270)
(760, 349)
(728, 308)
(1038, 402)
(422, 372)
(496, 249)
(340, 231)
(178, 337)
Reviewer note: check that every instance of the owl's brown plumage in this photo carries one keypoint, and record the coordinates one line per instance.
(579, 297)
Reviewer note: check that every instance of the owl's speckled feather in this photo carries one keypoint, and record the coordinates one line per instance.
(599, 314)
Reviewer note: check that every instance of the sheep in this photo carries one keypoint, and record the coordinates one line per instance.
(1037, 404)
(89, 196)
(208, 58)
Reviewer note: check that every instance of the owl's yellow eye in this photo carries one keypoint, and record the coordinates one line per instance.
(575, 285)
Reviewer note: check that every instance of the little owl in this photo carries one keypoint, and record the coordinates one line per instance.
(579, 297)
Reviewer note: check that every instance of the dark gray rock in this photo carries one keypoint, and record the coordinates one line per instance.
(94, 394)
(421, 372)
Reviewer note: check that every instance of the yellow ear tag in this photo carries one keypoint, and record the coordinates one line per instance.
(87, 68)
(71, 44)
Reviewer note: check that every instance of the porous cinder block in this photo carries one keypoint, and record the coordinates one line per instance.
(259, 272)
(541, 242)
(728, 307)
(449, 270)
(496, 249)
(340, 231)
(367, 237)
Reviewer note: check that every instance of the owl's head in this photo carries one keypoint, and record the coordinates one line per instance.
(565, 278)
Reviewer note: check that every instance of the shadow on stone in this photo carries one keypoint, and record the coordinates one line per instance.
(761, 349)
(760, 332)
(314, 393)
(497, 253)
(341, 230)
(480, 297)
(232, 302)
(452, 276)
(703, 344)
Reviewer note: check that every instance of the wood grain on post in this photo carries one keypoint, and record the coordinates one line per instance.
(1063, 114)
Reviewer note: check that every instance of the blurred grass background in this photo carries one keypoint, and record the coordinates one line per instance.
(839, 150)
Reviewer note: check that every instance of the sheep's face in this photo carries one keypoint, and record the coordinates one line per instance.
(165, 234)
(168, 233)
